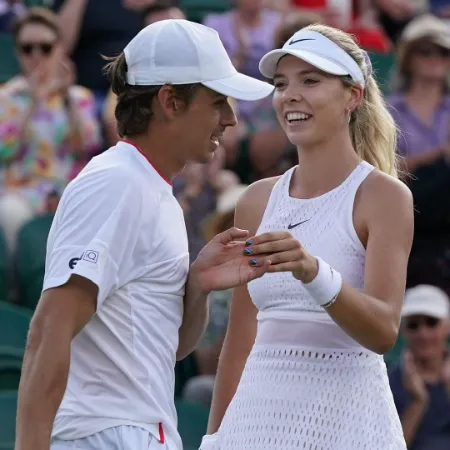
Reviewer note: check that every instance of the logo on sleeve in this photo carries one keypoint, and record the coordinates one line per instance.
(89, 255)
(73, 262)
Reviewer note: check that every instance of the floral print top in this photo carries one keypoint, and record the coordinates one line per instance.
(43, 161)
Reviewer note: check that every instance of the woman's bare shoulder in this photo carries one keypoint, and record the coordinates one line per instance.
(252, 204)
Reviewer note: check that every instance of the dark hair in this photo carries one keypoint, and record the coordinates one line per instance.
(38, 15)
(134, 103)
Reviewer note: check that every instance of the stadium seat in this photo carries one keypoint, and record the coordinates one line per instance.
(14, 324)
(394, 356)
(192, 423)
(10, 370)
(3, 268)
(383, 66)
(184, 371)
(9, 66)
(31, 3)
(30, 258)
(8, 409)
(196, 10)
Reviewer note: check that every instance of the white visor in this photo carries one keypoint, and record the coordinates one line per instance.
(317, 50)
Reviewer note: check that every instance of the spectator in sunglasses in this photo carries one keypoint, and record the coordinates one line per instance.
(48, 128)
(421, 383)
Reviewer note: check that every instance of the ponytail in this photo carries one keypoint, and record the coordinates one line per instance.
(372, 128)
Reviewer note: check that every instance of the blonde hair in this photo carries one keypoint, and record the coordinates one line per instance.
(372, 128)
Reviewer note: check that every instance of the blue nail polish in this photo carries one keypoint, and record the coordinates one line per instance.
(249, 242)
(248, 251)
(253, 262)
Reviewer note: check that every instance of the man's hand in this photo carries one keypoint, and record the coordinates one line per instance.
(222, 264)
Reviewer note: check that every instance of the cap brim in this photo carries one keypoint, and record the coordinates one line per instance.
(418, 310)
(241, 87)
(437, 39)
(269, 62)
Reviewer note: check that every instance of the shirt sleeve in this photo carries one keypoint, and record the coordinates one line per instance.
(95, 232)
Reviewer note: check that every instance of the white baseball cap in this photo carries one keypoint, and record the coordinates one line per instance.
(317, 50)
(177, 51)
(426, 300)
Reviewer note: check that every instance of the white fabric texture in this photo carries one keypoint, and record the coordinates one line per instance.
(116, 438)
(119, 225)
(327, 232)
(307, 385)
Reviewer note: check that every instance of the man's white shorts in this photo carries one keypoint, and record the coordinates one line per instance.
(118, 438)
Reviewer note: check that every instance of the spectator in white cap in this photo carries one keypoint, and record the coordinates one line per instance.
(421, 381)
(301, 366)
(120, 303)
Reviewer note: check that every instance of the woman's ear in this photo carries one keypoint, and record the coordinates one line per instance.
(356, 96)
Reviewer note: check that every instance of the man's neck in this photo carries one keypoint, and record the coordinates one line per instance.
(161, 153)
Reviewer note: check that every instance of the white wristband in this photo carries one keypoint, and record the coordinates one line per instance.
(327, 285)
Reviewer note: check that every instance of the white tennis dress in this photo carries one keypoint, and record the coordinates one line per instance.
(307, 385)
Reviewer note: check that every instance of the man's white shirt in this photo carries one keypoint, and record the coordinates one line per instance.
(119, 225)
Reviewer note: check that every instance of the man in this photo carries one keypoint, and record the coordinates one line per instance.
(421, 384)
(119, 303)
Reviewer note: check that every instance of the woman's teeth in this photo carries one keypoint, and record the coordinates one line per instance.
(293, 117)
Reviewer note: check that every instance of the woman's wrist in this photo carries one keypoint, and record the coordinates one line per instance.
(325, 286)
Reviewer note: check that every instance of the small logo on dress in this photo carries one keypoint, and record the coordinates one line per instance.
(290, 226)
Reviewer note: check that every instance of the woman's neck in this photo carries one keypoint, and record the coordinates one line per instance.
(425, 91)
(324, 167)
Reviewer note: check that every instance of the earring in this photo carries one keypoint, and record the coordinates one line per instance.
(349, 116)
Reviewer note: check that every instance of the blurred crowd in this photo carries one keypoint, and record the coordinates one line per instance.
(57, 112)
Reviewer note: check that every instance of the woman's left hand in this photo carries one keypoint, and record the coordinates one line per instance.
(285, 253)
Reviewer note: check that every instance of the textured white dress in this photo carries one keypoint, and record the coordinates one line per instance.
(307, 385)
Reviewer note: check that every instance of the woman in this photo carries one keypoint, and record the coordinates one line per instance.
(48, 129)
(302, 366)
(421, 109)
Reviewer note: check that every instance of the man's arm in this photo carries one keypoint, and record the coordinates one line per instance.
(195, 317)
(61, 313)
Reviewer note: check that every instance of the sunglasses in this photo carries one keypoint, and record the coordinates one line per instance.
(429, 322)
(44, 48)
(429, 52)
